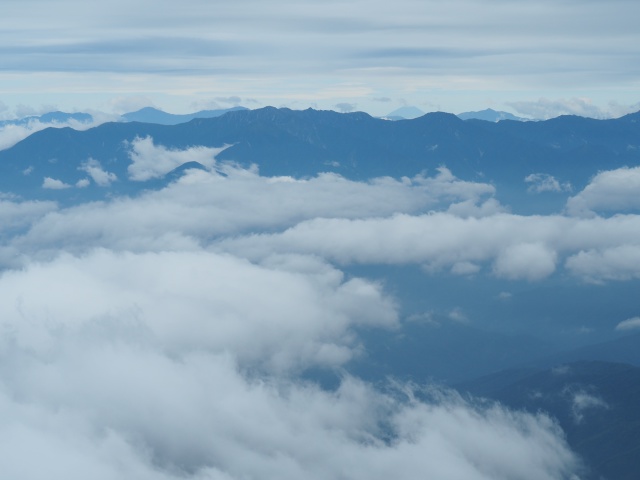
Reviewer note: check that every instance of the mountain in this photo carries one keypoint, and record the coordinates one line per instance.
(595, 403)
(355, 145)
(51, 117)
(153, 115)
(490, 115)
(404, 113)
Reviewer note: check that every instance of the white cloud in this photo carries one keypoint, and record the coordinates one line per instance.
(202, 206)
(612, 263)
(19, 215)
(354, 52)
(159, 337)
(133, 414)
(54, 184)
(182, 365)
(582, 401)
(223, 304)
(100, 176)
(458, 315)
(530, 261)
(465, 268)
(543, 182)
(11, 134)
(346, 107)
(545, 108)
(151, 161)
(629, 324)
(524, 246)
(107, 397)
(612, 190)
(376, 222)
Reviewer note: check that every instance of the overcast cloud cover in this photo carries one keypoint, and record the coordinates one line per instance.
(538, 60)
(166, 336)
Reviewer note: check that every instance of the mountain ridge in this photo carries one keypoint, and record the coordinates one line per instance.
(356, 145)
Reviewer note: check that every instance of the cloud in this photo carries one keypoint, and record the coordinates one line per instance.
(286, 54)
(11, 134)
(611, 190)
(582, 401)
(346, 107)
(232, 100)
(151, 161)
(225, 304)
(130, 103)
(530, 261)
(620, 263)
(220, 103)
(518, 247)
(437, 240)
(545, 108)
(205, 205)
(381, 221)
(178, 365)
(54, 184)
(22, 110)
(184, 365)
(19, 215)
(101, 177)
(543, 182)
(133, 414)
(168, 335)
(629, 324)
(465, 268)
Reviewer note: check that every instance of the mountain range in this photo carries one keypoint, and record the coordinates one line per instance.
(355, 145)
(154, 115)
(490, 115)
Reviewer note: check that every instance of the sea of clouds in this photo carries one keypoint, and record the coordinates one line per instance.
(167, 335)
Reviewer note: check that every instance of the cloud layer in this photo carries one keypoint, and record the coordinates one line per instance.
(172, 335)
(351, 52)
(178, 365)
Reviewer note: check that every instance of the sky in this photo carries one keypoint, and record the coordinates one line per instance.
(535, 59)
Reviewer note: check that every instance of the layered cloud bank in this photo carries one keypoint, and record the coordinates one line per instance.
(183, 365)
(169, 335)
(439, 222)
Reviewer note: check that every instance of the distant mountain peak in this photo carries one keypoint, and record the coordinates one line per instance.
(51, 117)
(407, 113)
(154, 115)
(490, 115)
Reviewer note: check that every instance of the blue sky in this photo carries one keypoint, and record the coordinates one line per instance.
(536, 59)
